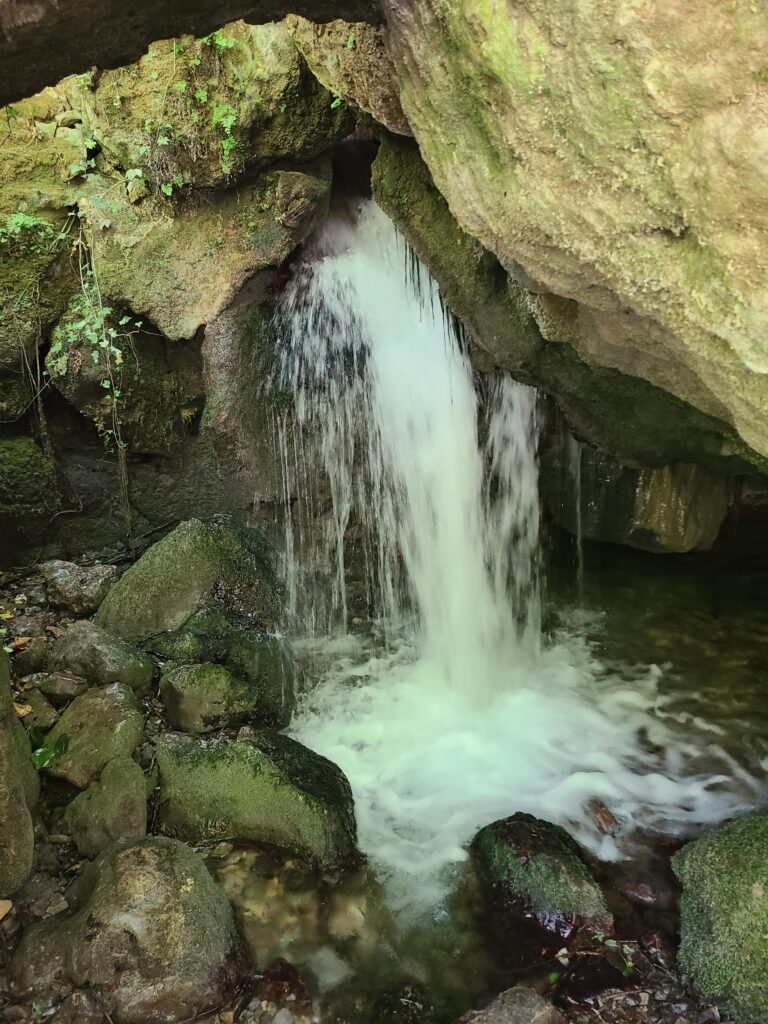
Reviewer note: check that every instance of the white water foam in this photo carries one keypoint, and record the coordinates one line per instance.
(460, 715)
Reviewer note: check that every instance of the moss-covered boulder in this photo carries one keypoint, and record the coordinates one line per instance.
(150, 934)
(19, 788)
(204, 698)
(197, 565)
(724, 917)
(263, 788)
(96, 655)
(28, 496)
(202, 111)
(114, 807)
(100, 725)
(179, 261)
(538, 893)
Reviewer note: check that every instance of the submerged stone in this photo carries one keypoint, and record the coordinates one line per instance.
(262, 788)
(114, 807)
(539, 895)
(150, 935)
(517, 1005)
(89, 651)
(724, 917)
(100, 725)
(19, 787)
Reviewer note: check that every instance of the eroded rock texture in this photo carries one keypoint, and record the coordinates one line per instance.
(613, 152)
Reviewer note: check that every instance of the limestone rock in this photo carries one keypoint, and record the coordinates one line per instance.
(19, 788)
(28, 495)
(203, 111)
(539, 895)
(351, 61)
(180, 263)
(567, 141)
(203, 698)
(264, 788)
(102, 724)
(517, 1005)
(88, 650)
(724, 917)
(78, 588)
(113, 808)
(196, 564)
(150, 935)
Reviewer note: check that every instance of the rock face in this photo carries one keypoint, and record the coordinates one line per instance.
(539, 895)
(264, 788)
(151, 935)
(28, 496)
(19, 788)
(724, 917)
(78, 588)
(89, 651)
(351, 61)
(113, 808)
(615, 179)
(516, 1006)
(102, 724)
(195, 565)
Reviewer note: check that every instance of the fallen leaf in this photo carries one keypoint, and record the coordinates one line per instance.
(20, 642)
(6, 615)
(5, 908)
(22, 709)
(20, 599)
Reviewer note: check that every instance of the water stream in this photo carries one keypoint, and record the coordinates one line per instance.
(412, 551)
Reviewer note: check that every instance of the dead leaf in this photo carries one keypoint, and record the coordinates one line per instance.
(5, 908)
(20, 642)
(22, 709)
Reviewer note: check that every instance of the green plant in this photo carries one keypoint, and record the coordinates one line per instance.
(218, 39)
(336, 101)
(351, 40)
(44, 755)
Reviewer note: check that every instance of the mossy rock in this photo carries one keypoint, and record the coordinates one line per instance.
(100, 725)
(264, 788)
(19, 787)
(28, 497)
(204, 698)
(724, 917)
(150, 934)
(114, 807)
(202, 111)
(197, 565)
(539, 894)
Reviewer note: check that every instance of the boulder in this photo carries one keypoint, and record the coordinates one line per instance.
(100, 725)
(113, 808)
(150, 935)
(517, 1005)
(79, 589)
(538, 893)
(19, 787)
(43, 714)
(59, 687)
(259, 788)
(33, 658)
(204, 698)
(197, 565)
(88, 650)
(724, 917)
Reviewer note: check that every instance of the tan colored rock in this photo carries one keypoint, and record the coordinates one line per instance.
(613, 151)
(351, 61)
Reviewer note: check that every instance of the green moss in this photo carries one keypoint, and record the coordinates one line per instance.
(538, 865)
(724, 917)
(201, 698)
(261, 789)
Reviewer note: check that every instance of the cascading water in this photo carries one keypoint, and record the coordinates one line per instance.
(450, 712)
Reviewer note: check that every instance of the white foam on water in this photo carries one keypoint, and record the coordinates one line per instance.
(461, 715)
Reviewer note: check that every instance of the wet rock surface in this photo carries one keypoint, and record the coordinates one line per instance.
(89, 651)
(76, 588)
(150, 935)
(260, 788)
(114, 807)
(539, 894)
(204, 698)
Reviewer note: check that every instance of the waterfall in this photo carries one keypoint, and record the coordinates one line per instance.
(409, 507)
